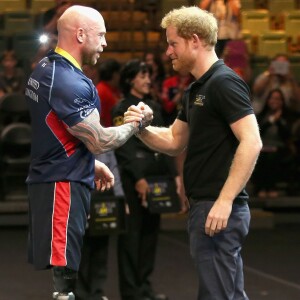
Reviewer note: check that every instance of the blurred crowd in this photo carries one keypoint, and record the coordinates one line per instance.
(275, 98)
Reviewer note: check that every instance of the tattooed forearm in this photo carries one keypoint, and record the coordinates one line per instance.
(99, 139)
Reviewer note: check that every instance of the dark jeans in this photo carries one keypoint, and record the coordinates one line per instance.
(218, 259)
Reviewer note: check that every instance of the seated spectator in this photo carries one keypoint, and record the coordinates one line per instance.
(12, 78)
(278, 75)
(275, 122)
(51, 16)
(172, 91)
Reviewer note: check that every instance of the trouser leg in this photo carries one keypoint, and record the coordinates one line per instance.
(98, 267)
(217, 258)
(128, 249)
(64, 279)
(148, 246)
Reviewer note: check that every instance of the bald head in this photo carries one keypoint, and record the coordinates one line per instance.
(81, 32)
(78, 16)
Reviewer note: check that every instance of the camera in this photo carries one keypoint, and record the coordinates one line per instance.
(280, 67)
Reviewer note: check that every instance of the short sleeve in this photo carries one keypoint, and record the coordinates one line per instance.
(232, 98)
(75, 101)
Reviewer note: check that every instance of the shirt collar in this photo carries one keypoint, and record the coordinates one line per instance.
(68, 56)
(210, 71)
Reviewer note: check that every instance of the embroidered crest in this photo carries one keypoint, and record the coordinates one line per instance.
(119, 120)
(199, 100)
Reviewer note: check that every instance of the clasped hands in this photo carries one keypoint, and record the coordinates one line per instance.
(142, 114)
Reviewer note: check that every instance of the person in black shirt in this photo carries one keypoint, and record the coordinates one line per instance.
(137, 248)
(219, 130)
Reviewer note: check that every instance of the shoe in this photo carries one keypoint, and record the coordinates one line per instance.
(63, 296)
(160, 297)
(104, 298)
(155, 297)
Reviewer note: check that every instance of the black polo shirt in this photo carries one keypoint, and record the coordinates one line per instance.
(213, 102)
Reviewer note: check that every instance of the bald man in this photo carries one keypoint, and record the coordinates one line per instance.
(66, 134)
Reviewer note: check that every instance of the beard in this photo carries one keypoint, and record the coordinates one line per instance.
(90, 58)
(183, 65)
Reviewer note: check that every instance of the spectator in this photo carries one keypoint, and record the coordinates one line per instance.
(108, 89)
(278, 75)
(227, 13)
(172, 91)
(236, 56)
(51, 16)
(94, 254)
(158, 78)
(275, 124)
(12, 79)
(137, 248)
(158, 74)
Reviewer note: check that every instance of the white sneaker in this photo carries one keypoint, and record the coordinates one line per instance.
(104, 298)
(60, 296)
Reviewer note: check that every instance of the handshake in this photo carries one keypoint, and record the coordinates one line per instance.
(142, 114)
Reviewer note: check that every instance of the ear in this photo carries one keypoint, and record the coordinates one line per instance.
(195, 40)
(80, 35)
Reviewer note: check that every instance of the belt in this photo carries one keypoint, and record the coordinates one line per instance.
(193, 201)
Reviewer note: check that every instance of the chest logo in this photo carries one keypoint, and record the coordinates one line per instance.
(119, 120)
(199, 100)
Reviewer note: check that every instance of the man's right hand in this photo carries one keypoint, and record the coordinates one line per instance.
(141, 113)
(148, 114)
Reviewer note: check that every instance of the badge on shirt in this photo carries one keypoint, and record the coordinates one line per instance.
(199, 100)
(119, 120)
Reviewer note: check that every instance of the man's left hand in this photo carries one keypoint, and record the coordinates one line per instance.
(217, 218)
(104, 178)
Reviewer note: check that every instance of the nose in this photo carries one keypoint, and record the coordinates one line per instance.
(169, 51)
(104, 43)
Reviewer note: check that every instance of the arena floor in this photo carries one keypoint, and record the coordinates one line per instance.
(271, 259)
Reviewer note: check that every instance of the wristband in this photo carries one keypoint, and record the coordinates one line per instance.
(140, 127)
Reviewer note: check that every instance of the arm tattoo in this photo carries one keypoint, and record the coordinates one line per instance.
(99, 139)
